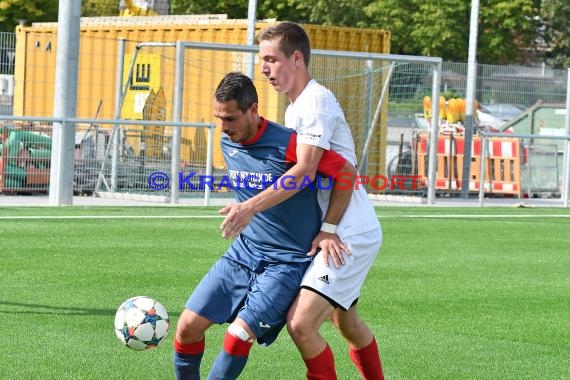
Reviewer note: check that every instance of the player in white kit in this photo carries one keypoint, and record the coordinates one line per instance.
(329, 290)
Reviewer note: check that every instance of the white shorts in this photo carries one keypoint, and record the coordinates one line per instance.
(341, 286)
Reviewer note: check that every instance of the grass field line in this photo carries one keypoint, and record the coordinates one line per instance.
(8, 217)
(485, 216)
(413, 216)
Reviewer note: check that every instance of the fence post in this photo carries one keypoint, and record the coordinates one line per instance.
(177, 116)
(385, 86)
(567, 145)
(432, 164)
(209, 154)
(482, 169)
(470, 97)
(118, 106)
(65, 104)
(363, 163)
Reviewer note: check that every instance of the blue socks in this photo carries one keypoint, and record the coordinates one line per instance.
(231, 360)
(187, 359)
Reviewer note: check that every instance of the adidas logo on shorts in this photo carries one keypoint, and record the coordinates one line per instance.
(324, 278)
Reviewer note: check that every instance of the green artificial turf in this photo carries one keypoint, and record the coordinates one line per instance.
(456, 293)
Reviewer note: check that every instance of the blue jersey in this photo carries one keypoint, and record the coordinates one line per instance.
(258, 277)
(282, 233)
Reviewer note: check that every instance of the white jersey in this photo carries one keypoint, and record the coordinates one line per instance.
(318, 119)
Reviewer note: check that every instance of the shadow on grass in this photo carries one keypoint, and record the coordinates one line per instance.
(40, 309)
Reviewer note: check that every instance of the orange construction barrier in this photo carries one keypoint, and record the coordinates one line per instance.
(502, 171)
(504, 166)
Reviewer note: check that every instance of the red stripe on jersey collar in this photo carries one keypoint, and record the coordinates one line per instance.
(259, 133)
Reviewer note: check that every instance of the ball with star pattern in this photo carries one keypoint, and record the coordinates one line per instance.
(141, 323)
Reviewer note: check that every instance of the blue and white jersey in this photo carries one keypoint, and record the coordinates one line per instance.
(282, 233)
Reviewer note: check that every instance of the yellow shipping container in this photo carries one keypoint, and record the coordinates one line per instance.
(153, 74)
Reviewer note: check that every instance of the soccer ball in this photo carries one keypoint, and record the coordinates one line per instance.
(141, 323)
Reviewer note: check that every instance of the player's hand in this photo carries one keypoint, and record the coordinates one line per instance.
(331, 246)
(237, 218)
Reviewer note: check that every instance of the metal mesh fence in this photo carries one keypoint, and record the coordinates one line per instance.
(357, 84)
(519, 85)
(7, 56)
(150, 94)
(535, 96)
(542, 166)
(25, 158)
(7, 53)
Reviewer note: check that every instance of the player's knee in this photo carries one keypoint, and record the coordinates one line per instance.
(351, 327)
(237, 341)
(345, 320)
(239, 332)
(346, 326)
(337, 320)
(300, 328)
(185, 333)
(187, 330)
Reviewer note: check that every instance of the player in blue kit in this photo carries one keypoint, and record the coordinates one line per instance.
(328, 292)
(253, 285)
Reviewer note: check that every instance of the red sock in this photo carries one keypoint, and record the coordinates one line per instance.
(367, 361)
(190, 349)
(235, 346)
(321, 367)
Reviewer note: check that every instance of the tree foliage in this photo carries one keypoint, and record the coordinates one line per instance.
(509, 31)
(506, 30)
(441, 28)
(555, 32)
(338, 13)
(237, 9)
(13, 12)
(234, 9)
(96, 8)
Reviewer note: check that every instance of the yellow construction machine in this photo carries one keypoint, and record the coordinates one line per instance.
(144, 7)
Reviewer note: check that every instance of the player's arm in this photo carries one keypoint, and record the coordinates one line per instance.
(327, 241)
(308, 160)
(238, 215)
(330, 164)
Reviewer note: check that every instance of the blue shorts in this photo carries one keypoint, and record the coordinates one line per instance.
(262, 300)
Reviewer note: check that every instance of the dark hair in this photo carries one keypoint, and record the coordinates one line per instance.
(237, 86)
(292, 37)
